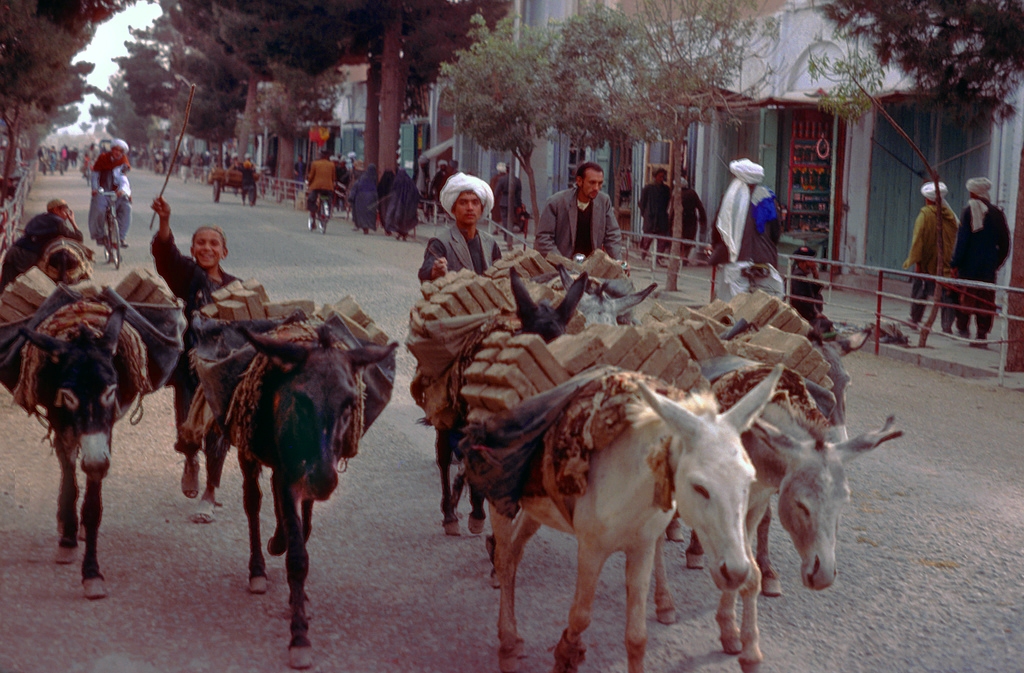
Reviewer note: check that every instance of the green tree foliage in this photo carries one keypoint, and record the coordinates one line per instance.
(501, 91)
(123, 120)
(964, 57)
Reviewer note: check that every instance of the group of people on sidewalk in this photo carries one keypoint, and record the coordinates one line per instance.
(972, 247)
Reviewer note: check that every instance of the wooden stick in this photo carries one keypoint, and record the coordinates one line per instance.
(170, 165)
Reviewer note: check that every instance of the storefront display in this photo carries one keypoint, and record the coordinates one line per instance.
(810, 175)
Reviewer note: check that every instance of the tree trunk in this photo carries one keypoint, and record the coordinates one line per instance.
(245, 124)
(285, 156)
(371, 133)
(392, 71)
(1015, 302)
(672, 281)
(524, 160)
(13, 125)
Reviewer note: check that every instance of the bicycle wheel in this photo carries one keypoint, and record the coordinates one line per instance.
(113, 252)
(325, 215)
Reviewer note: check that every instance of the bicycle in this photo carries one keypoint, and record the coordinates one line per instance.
(112, 233)
(322, 213)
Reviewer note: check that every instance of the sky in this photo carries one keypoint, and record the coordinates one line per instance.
(108, 44)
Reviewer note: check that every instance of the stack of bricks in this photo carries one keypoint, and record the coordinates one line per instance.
(507, 370)
(771, 345)
(528, 263)
(600, 265)
(248, 300)
(24, 295)
(761, 309)
(144, 286)
(458, 294)
(356, 320)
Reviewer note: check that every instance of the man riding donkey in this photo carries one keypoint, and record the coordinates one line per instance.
(58, 222)
(193, 279)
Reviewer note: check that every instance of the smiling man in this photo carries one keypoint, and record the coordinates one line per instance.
(463, 246)
(193, 279)
(579, 220)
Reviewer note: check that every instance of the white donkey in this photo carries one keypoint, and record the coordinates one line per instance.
(688, 448)
(793, 455)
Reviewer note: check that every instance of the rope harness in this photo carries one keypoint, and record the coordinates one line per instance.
(246, 397)
(68, 323)
(66, 260)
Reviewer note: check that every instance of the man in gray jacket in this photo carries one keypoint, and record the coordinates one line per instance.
(581, 219)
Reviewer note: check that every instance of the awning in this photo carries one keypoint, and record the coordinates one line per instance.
(434, 151)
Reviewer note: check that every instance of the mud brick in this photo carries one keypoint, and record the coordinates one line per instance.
(307, 306)
(577, 352)
(487, 355)
(467, 299)
(676, 366)
(521, 358)
(351, 308)
(758, 308)
(543, 265)
(254, 285)
(528, 267)
(358, 331)
(480, 296)
(659, 312)
(219, 295)
(417, 325)
(600, 265)
(710, 339)
(539, 350)
(691, 378)
(783, 318)
(688, 335)
(444, 281)
(820, 373)
(554, 259)
(658, 361)
(717, 310)
(475, 372)
(649, 340)
(618, 342)
(755, 352)
(252, 302)
(158, 294)
(507, 376)
(130, 283)
(88, 288)
(813, 360)
(376, 334)
(234, 286)
(8, 314)
(472, 392)
(210, 311)
(478, 415)
(273, 309)
(151, 290)
(229, 309)
(496, 339)
(499, 399)
(427, 289)
(447, 301)
(501, 298)
(16, 307)
(33, 286)
(796, 346)
(539, 293)
(432, 311)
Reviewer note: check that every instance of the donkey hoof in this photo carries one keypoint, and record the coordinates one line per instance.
(694, 561)
(258, 585)
(476, 526)
(675, 532)
(300, 657)
(771, 586)
(66, 555)
(666, 615)
(452, 528)
(751, 665)
(94, 588)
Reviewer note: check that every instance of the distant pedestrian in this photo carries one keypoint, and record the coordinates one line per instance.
(508, 194)
(982, 244)
(364, 200)
(654, 200)
(924, 256)
(401, 211)
(695, 219)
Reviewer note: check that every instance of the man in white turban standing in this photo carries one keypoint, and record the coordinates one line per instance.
(749, 230)
(462, 246)
(982, 244)
(924, 255)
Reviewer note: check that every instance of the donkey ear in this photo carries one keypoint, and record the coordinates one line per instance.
(623, 304)
(572, 298)
(525, 306)
(284, 354)
(113, 329)
(566, 278)
(863, 443)
(44, 342)
(780, 441)
(745, 412)
(679, 417)
(372, 354)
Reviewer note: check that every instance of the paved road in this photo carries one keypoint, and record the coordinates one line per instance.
(929, 548)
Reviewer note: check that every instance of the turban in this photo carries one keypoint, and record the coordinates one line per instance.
(460, 182)
(928, 190)
(120, 143)
(979, 186)
(747, 171)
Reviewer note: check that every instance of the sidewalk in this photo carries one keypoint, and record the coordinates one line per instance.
(850, 307)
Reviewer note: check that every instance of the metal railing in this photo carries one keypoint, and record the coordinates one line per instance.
(14, 207)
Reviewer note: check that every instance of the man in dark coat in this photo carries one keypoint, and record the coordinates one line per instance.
(654, 200)
(580, 220)
(58, 221)
(193, 279)
(695, 219)
(982, 244)
(508, 193)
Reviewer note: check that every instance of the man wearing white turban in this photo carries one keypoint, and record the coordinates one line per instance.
(579, 220)
(462, 246)
(924, 255)
(748, 232)
(982, 244)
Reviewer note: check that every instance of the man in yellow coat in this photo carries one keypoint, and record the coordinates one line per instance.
(924, 255)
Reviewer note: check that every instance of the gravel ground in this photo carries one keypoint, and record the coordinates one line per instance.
(929, 547)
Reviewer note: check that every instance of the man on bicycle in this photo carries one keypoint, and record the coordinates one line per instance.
(321, 183)
(108, 175)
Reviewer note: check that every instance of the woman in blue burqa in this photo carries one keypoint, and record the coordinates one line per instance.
(364, 200)
(401, 211)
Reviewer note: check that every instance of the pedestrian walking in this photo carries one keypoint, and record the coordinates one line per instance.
(924, 256)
